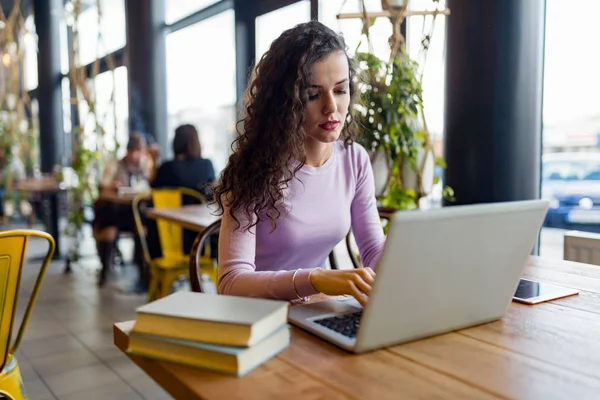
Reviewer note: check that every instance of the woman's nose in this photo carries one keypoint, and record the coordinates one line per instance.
(329, 105)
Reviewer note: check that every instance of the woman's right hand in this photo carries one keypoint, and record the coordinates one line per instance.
(355, 282)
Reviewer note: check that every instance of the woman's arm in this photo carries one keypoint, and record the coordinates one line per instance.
(238, 275)
(237, 269)
(366, 224)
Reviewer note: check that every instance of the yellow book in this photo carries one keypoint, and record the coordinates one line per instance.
(228, 359)
(209, 318)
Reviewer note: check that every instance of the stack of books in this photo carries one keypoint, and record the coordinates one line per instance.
(223, 333)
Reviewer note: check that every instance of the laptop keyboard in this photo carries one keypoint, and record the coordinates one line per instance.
(346, 324)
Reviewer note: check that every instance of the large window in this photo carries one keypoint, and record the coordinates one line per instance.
(178, 9)
(571, 78)
(270, 26)
(431, 62)
(112, 117)
(30, 44)
(201, 83)
(97, 40)
(571, 122)
(351, 29)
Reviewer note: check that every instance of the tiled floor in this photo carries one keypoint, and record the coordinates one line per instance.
(68, 351)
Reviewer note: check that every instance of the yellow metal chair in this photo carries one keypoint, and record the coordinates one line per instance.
(12, 256)
(165, 270)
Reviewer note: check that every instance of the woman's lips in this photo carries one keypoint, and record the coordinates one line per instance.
(329, 125)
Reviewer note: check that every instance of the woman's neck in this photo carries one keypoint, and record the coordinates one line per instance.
(318, 153)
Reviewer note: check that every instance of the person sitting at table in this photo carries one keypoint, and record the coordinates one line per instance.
(188, 169)
(111, 217)
(296, 181)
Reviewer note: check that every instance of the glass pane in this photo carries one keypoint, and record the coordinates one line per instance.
(30, 43)
(66, 100)
(270, 26)
(112, 117)
(571, 79)
(351, 29)
(178, 9)
(96, 41)
(571, 123)
(64, 47)
(201, 84)
(432, 64)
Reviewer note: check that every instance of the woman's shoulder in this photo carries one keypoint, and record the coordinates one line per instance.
(205, 161)
(354, 153)
(166, 165)
(196, 162)
(175, 163)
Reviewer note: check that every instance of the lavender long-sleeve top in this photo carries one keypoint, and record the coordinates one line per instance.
(320, 206)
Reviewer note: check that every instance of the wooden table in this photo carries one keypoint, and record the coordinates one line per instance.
(42, 185)
(193, 217)
(117, 198)
(49, 188)
(547, 351)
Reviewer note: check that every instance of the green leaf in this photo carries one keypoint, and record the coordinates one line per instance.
(440, 162)
(393, 93)
(448, 193)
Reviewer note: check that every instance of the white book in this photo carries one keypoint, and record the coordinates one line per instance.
(209, 318)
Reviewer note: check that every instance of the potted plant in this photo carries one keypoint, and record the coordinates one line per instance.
(391, 116)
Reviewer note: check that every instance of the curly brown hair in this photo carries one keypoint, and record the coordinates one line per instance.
(272, 139)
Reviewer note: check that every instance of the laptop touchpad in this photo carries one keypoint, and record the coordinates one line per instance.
(337, 306)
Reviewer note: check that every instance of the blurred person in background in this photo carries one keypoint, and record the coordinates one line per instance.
(187, 169)
(110, 218)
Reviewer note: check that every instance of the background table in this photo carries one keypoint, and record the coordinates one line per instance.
(193, 217)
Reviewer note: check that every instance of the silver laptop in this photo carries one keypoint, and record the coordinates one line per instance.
(441, 270)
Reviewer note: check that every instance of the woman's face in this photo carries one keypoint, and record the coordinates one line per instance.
(328, 98)
(134, 157)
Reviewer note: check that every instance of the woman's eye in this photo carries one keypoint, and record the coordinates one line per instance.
(313, 96)
(341, 91)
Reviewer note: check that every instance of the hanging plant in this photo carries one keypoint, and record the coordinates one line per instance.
(392, 120)
(17, 129)
(89, 152)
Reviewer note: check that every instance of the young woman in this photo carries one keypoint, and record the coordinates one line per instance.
(296, 182)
